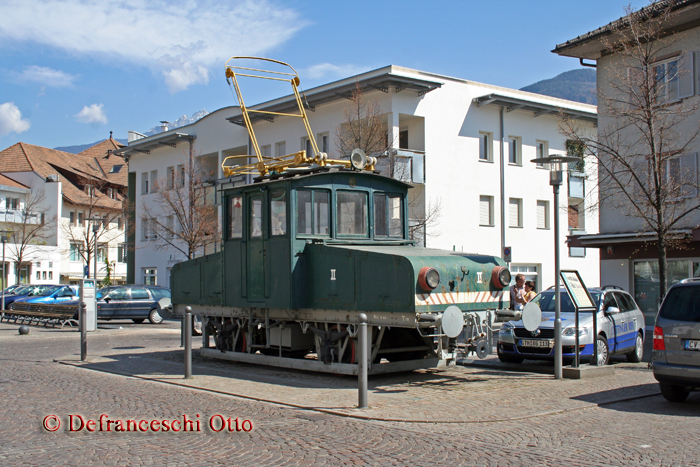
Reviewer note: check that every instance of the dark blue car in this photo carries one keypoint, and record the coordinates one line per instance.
(51, 294)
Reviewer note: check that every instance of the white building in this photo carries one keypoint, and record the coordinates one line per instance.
(628, 250)
(62, 192)
(467, 147)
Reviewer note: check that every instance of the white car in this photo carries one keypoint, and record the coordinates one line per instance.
(620, 329)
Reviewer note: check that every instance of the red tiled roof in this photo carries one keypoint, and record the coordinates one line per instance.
(73, 170)
(6, 181)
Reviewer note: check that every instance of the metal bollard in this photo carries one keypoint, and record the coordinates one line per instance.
(83, 330)
(188, 342)
(362, 362)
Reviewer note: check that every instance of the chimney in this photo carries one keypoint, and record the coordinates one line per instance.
(163, 126)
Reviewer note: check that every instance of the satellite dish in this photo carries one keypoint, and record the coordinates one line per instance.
(452, 321)
(165, 308)
(532, 316)
(358, 159)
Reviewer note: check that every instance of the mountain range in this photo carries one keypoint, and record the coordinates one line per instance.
(575, 85)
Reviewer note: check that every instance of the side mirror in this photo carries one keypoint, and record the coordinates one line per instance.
(612, 310)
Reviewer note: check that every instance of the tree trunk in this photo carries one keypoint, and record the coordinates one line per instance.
(663, 267)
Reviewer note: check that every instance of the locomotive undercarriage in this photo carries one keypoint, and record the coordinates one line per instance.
(330, 343)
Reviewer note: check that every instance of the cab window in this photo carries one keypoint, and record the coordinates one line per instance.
(278, 212)
(352, 213)
(313, 212)
(388, 216)
(256, 218)
(235, 217)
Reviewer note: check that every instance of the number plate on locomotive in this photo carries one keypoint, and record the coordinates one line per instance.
(537, 343)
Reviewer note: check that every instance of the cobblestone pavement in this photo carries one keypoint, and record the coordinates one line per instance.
(495, 417)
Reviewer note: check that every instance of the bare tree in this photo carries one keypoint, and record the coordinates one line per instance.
(364, 126)
(30, 230)
(641, 152)
(183, 216)
(100, 200)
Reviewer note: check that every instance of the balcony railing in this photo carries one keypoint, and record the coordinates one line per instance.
(18, 217)
(406, 165)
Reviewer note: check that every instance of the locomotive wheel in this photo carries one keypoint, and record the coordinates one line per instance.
(349, 354)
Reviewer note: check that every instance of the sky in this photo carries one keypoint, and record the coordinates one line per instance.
(72, 71)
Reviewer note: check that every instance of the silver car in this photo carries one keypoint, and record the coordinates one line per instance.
(675, 358)
(620, 329)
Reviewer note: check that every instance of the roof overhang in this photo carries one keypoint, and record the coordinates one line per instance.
(590, 46)
(146, 145)
(325, 94)
(537, 108)
(604, 240)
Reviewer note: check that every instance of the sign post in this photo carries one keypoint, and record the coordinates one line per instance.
(507, 254)
(582, 300)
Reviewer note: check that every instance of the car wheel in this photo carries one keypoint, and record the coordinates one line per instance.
(154, 317)
(636, 355)
(505, 358)
(674, 393)
(138, 321)
(603, 354)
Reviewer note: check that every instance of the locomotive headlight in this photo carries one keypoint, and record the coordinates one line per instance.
(500, 277)
(428, 278)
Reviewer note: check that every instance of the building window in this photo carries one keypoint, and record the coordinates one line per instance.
(516, 212)
(542, 151)
(280, 149)
(170, 177)
(75, 252)
(38, 275)
(530, 271)
(90, 190)
(170, 226)
(120, 223)
(43, 275)
(576, 216)
(50, 275)
(121, 250)
(680, 174)
(542, 214)
(323, 142)
(101, 252)
(266, 150)
(154, 179)
(575, 149)
(149, 276)
(181, 175)
(71, 218)
(486, 211)
(306, 145)
(485, 146)
(81, 219)
(144, 183)
(12, 204)
(514, 150)
(673, 79)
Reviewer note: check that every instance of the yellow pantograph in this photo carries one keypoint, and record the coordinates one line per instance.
(240, 164)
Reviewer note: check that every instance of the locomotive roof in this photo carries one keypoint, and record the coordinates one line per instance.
(391, 248)
(317, 171)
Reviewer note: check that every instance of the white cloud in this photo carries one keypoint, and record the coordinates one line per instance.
(47, 77)
(182, 40)
(91, 114)
(328, 70)
(11, 119)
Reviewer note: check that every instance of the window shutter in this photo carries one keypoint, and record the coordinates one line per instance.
(541, 214)
(685, 78)
(689, 175)
(484, 210)
(514, 213)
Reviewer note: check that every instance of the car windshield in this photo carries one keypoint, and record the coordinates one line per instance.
(47, 291)
(682, 303)
(21, 290)
(547, 301)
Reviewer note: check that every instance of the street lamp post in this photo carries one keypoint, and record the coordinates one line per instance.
(4, 276)
(556, 178)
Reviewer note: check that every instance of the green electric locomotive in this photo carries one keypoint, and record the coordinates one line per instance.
(311, 244)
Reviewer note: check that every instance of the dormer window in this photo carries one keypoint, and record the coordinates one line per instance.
(116, 168)
(90, 190)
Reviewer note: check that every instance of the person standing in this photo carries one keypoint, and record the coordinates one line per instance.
(517, 291)
(529, 291)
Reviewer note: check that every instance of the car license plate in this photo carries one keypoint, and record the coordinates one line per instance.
(537, 343)
(692, 344)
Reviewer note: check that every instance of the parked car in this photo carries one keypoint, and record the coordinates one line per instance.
(134, 302)
(675, 358)
(50, 294)
(24, 291)
(9, 290)
(620, 329)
